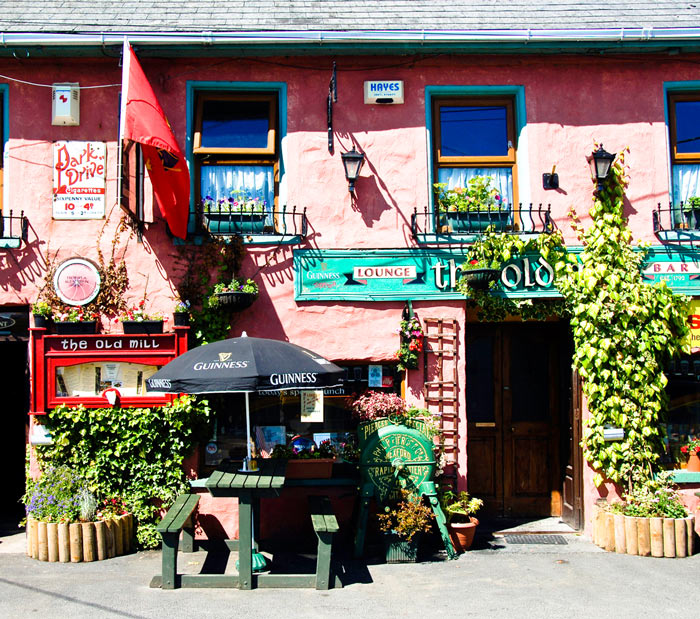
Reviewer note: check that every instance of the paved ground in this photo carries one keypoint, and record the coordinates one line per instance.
(496, 579)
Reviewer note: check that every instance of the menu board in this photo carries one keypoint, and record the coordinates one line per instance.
(91, 379)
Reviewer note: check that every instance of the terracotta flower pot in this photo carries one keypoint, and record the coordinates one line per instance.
(693, 463)
(462, 534)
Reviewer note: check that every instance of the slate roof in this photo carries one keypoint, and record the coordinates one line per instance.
(139, 16)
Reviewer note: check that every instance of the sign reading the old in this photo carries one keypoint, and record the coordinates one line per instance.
(398, 274)
(79, 174)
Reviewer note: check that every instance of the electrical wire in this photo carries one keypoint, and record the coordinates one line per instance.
(14, 79)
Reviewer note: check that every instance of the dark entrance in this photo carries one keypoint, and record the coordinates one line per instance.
(518, 413)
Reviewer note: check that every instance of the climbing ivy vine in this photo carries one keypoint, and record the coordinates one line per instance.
(135, 454)
(624, 330)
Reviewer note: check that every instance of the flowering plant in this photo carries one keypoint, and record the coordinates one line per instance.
(657, 498)
(137, 313)
(326, 449)
(459, 507)
(478, 195)
(57, 496)
(112, 508)
(691, 447)
(182, 307)
(238, 203)
(42, 308)
(409, 517)
(76, 314)
(376, 405)
(411, 333)
(235, 285)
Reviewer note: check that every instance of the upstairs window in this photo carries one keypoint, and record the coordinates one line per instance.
(474, 154)
(684, 120)
(236, 146)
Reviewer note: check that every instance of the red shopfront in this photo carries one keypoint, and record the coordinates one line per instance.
(86, 369)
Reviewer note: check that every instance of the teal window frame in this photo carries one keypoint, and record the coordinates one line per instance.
(193, 89)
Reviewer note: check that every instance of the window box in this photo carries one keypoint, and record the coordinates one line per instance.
(86, 327)
(476, 221)
(239, 223)
(144, 327)
(310, 468)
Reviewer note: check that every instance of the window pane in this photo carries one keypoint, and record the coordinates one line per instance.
(235, 124)
(241, 182)
(688, 126)
(480, 401)
(473, 131)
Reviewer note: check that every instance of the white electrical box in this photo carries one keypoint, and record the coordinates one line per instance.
(65, 104)
(385, 91)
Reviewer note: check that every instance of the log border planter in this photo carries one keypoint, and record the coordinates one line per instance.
(655, 537)
(75, 542)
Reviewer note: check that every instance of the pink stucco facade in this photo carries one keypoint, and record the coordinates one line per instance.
(570, 103)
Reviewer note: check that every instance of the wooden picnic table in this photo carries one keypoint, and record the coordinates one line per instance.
(249, 487)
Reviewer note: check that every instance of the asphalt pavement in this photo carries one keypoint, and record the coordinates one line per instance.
(495, 579)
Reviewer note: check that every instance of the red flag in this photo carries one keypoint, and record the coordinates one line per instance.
(143, 121)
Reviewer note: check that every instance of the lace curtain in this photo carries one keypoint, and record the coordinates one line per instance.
(219, 181)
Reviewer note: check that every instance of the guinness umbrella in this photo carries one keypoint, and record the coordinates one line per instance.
(245, 365)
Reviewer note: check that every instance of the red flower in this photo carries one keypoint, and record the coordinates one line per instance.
(473, 261)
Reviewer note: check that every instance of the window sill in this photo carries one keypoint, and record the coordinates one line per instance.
(437, 238)
(681, 476)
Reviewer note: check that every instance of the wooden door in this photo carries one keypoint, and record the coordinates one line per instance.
(572, 508)
(513, 418)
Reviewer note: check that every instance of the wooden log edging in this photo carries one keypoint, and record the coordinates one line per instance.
(80, 541)
(656, 537)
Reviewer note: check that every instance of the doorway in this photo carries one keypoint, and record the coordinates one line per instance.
(518, 396)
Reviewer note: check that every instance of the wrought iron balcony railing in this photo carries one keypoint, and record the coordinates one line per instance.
(285, 223)
(680, 217)
(13, 230)
(427, 225)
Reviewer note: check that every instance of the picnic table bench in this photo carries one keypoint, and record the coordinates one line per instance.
(177, 520)
(248, 487)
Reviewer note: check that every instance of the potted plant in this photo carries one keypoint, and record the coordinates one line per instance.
(135, 320)
(402, 525)
(411, 333)
(65, 521)
(42, 313)
(76, 321)
(461, 524)
(479, 272)
(691, 212)
(181, 314)
(692, 450)
(235, 295)
(239, 212)
(472, 208)
(305, 460)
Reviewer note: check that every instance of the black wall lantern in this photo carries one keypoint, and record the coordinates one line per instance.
(352, 162)
(600, 161)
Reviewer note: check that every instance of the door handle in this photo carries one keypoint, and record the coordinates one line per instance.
(512, 429)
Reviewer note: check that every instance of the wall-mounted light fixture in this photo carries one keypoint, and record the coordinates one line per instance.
(550, 180)
(600, 161)
(352, 162)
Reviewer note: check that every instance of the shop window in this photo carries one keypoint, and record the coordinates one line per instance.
(475, 137)
(236, 159)
(683, 420)
(684, 133)
(277, 416)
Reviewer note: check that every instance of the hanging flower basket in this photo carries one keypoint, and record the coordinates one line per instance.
(144, 327)
(235, 301)
(480, 279)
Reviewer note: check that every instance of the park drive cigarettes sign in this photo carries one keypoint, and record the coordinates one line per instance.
(79, 172)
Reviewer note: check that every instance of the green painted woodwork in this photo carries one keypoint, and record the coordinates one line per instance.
(400, 274)
(395, 457)
(178, 518)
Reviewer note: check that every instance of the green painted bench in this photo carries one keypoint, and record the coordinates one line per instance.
(177, 520)
(325, 526)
